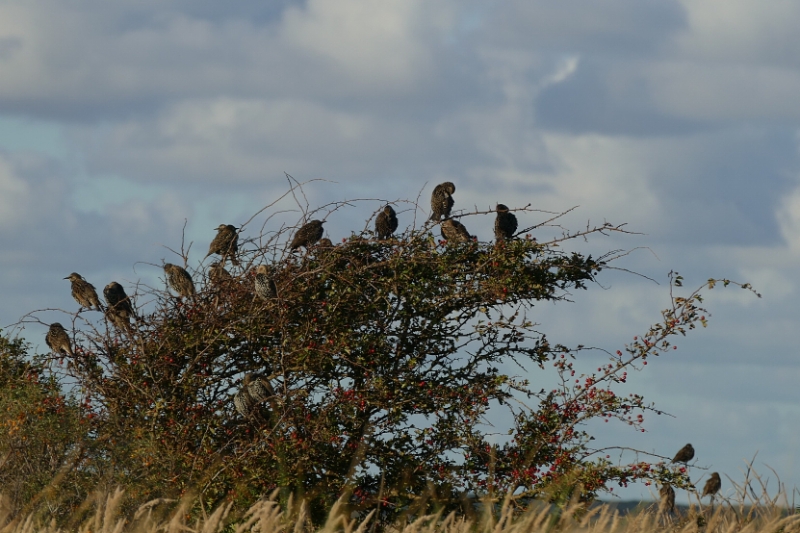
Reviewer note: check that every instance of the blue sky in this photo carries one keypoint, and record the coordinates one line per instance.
(121, 120)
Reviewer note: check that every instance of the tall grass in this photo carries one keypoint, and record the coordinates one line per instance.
(267, 516)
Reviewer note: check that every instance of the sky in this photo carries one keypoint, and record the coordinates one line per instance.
(126, 126)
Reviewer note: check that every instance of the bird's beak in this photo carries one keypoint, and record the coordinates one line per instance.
(67, 277)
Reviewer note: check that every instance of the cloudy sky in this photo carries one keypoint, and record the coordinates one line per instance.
(121, 120)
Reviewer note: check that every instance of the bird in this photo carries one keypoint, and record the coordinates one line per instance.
(325, 243)
(667, 494)
(83, 292)
(225, 243)
(385, 223)
(254, 390)
(505, 225)
(307, 235)
(179, 280)
(454, 231)
(217, 274)
(712, 486)
(118, 301)
(120, 320)
(58, 340)
(264, 284)
(684, 455)
(442, 200)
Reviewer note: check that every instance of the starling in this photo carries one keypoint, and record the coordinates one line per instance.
(119, 319)
(58, 340)
(667, 494)
(325, 243)
(83, 292)
(264, 284)
(226, 243)
(454, 231)
(217, 274)
(684, 455)
(179, 280)
(386, 223)
(505, 225)
(118, 301)
(254, 391)
(442, 200)
(712, 486)
(307, 235)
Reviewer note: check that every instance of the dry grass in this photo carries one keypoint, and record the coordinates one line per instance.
(267, 516)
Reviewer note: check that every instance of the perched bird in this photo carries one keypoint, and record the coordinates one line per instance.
(325, 243)
(226, 243)
(118, 301)
(712, 486)
(667, 504)
(264, 284)
(217, 274)
(385, 223)
(442, 200)
(83, 292)
(254, 391)
(58, 340)
(454, 231)
(120, 320)
(307, 235)
(179, 280)
(505, 225)
(684, 455)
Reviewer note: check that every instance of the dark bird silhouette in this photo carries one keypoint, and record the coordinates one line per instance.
(83, 292)
(179, 280)
(253, 392)
(58, 340)
(684, 455)
(307, 235)
(386, 223)
(118, 301)
(217, 274)
(667, 503)
(712, 486)
(225, 244)
(325, 243)
(264, 284)
(454, 231)
(505, 224)
(442, 200)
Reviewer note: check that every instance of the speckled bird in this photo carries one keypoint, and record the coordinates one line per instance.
(84, 292)
(667, 503)
(712, 486)
(119, 320)
(684, 455)
(385, 223)
(505, 224)
(264, 285)
(58, 340)
(226, 243)
(442, 200)
(254, 391)
(217, 274)
(118, 300)
(455, 232)
(179, 280)
(307, 235)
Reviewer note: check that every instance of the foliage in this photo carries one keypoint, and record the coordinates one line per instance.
(386, 357)
(40, 432)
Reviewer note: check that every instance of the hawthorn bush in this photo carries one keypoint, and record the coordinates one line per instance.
(385, 359)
